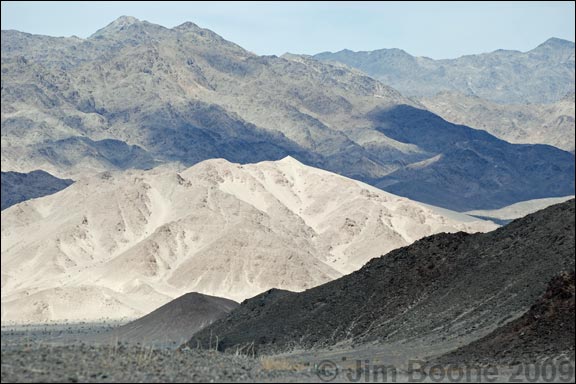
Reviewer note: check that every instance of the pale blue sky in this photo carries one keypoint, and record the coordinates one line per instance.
(433, 29)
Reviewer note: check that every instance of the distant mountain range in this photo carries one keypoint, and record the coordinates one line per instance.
(136, 95)
(446, 290)
(544, 74)
(120, 244)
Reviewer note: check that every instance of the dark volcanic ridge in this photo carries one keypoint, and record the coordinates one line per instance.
(450, 288)
(174, 322)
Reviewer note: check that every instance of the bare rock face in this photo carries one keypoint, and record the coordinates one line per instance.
(544, 74)
(121, 244)
(446, 288)
(158, 95)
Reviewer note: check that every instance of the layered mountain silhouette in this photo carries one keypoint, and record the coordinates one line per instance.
(18, 187)
(136, 94)
(446, 288)
(544, 74)
(121, 244)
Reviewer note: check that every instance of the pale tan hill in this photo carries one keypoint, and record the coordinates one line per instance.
(123, 244)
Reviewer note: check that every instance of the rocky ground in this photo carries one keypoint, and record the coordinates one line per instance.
(67, 353)
(79, 362)
(61, 353)
(89, 363)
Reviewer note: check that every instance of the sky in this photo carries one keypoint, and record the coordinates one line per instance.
(433, 29)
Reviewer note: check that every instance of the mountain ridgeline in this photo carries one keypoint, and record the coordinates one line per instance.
(544, 74)
(136, 95)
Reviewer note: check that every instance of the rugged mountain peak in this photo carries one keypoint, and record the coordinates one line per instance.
(123, 25)
(119, 24)
(125, 20)
(187, 26)
(391, 52)
(296, 57)
(556, 43)
(186, 94)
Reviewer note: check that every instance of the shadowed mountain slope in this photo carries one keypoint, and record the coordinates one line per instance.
(551, 124)
(136, 94)
(18, 187)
